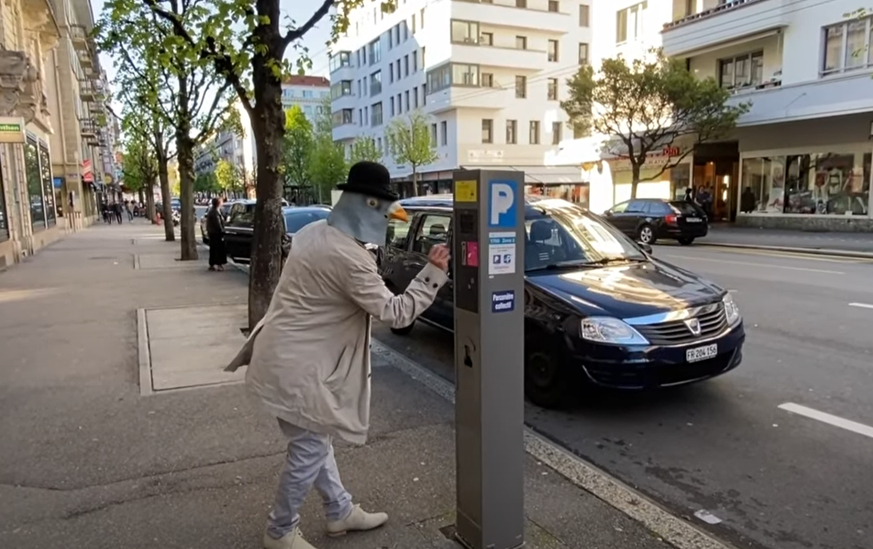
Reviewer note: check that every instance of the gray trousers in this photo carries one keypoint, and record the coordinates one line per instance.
(309, 462)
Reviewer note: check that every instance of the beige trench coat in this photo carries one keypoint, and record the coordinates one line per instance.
(309, 357)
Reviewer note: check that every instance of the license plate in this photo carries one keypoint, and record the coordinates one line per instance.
(701, 353)
(693, 220)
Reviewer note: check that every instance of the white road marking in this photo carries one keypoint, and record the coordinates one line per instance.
(861, 305)
(756, 264)
(846, 424)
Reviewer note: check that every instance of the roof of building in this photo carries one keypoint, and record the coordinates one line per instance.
(306, 80)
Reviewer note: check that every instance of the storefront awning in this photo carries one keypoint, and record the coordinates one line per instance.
(819, 99)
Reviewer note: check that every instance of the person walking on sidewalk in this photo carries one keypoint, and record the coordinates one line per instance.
(215, 231)
(309, 357)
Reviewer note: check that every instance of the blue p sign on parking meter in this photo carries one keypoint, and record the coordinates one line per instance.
(489, 357)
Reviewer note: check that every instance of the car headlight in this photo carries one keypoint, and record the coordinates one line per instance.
(603, 329)
(731, 310)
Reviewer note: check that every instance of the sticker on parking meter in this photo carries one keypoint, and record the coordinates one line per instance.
(503, 302)
(465, 191)
(471, 253)
(501, 253)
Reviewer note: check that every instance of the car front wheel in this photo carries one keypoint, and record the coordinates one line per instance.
(646, 234)
(545, 382)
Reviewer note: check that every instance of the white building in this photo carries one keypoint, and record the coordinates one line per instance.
(490, 76)
(237, 149)
(804, 149)
(309, 92)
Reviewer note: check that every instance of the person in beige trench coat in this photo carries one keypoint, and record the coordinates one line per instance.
(309, 357)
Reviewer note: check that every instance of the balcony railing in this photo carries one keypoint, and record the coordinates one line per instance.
(88, 129)
(722, 8)
(86, 58)
(86, 90)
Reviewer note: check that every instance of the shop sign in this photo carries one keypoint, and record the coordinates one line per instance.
(12, 130)
(653, 160)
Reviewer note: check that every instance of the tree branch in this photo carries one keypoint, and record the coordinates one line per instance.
(212, 118)
(298, 33)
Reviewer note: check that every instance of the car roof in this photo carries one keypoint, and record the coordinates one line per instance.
(304, 209)
(446, 202)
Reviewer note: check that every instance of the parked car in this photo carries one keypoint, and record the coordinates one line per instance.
(225, 211)
(239, 229)
(600, 310)
(650, 219)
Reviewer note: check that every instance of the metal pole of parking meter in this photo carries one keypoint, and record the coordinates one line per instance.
(488, 278)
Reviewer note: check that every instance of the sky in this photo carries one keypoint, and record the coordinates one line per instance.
(298, 10)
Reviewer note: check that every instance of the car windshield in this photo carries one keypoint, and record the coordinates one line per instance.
(564, 234)
(685, 208)
(294, 221)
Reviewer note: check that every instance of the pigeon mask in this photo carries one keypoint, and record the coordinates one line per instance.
(367, 204)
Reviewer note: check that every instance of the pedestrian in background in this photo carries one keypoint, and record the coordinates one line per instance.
(129, 211)
(309, 357)
(215, 232)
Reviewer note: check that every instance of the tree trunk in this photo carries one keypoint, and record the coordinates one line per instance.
(166, 197)
(414, 180)
(141, 196)
(635, 179)
(150, 201)
(268, 128)
(185, 155)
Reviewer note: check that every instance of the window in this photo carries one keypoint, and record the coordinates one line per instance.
(397, 233)
(242, 215)
(405, 66)
(486, 39)
(629, 23)
(583, 53)
(553, 89)
(398, 69)
(520, 87)
(34, 185)
(487, 130)
(307, 94)
(520, 3)
(375, 83)
(816, 183)
(553, 5)
(45, 169)
(294, 221)
(423, 64)
(521, 42)
(556, 132)
(390, 39)
(424, 94)
(340, 60)
(366, 116)
(391, 72)
(342, 117)
(421, 18)
(391, 111)
(619, 208)
(534, 132)
(583, 15)
(406, 102)
(465, 32)
(741, 71)
(415, 61)
(414, 28)
(341, 88)
(847, 46)
(465, 75)
(433, 133)
(432, 231)
(399, 103)
(511, 132)
(553, 51)
(375, 51)
(376, 114)
(415, 97)
(444, 133)
(487, 80)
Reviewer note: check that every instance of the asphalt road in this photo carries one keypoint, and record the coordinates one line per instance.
(779, 450)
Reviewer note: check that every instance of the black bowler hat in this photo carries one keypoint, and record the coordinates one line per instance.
(371, 179)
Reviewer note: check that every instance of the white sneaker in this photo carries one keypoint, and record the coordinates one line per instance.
(291, 540)
(358, 520)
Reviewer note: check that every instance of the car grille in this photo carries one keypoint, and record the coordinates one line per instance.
(712, 321)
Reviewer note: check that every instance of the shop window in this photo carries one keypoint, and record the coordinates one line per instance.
(4, 220)
(34, 185)
(835, 183)
(48, 191)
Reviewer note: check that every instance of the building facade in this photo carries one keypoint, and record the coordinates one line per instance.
(488, 76)
(308, 92)
(52, 123)
(236, 148)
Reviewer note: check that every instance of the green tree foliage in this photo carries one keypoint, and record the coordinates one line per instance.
(227, 177)
(328, 165)
(299, 141)
(647, 105)
(139, 168)
(195, 100)
(246, 42)
(207, 183)
(364, 149)
(411, 140)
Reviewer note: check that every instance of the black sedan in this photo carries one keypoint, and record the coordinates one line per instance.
(239, 229)
(599, 308)
(650, 219)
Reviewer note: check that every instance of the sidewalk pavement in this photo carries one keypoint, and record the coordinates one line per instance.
(827, 243)
(92, 459)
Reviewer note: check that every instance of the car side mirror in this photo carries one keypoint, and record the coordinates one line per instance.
(608, 213)
(645, 247)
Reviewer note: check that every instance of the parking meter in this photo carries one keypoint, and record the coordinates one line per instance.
(488, 277)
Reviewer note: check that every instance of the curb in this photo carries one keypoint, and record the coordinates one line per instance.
(792, 249)
(676, 531)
